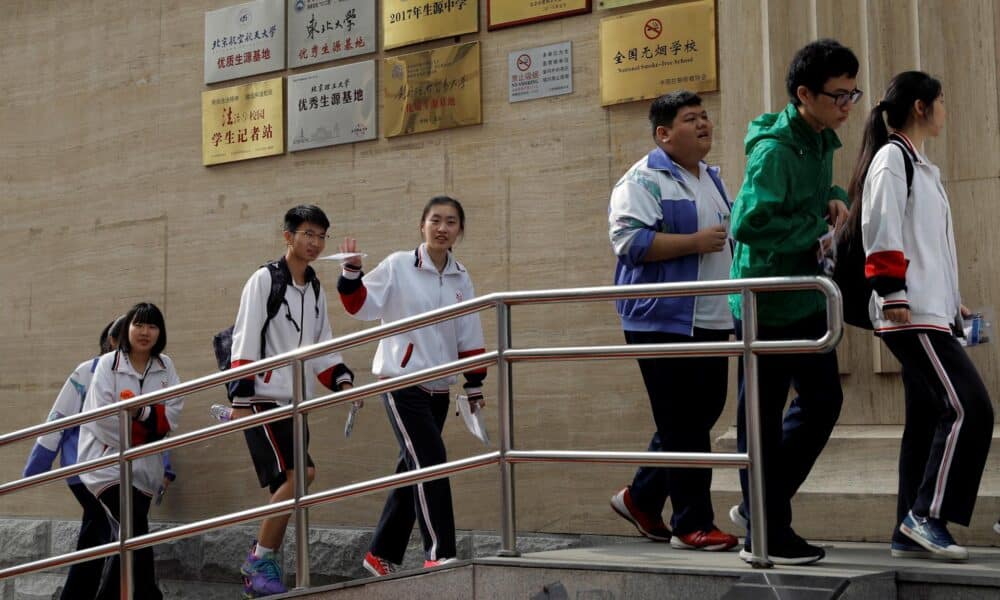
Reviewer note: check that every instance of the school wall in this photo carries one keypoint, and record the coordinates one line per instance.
(104, 202)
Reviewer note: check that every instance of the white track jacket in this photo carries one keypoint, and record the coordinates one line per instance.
(909, 243)
(116, 379)
(407, 284)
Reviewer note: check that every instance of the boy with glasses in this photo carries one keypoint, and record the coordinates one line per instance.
(301, 320)
(786, 206)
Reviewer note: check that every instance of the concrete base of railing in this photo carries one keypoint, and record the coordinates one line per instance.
(207, 566)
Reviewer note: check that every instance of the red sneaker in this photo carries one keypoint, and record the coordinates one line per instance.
(712, 540)
(437, 563)
(651, 527)
(378, 566)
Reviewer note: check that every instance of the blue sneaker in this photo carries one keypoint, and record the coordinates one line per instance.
(933, 535)
(908, 549)
(261, 577)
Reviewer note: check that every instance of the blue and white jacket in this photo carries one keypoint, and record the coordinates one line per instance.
(650, 198)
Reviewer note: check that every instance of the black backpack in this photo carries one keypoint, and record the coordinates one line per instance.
(849, 271)
(222, 343)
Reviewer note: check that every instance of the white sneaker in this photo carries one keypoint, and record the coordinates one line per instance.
(737, 517)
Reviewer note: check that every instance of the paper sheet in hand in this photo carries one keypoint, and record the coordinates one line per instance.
(343, 256)
(349, 425)
(473, 419)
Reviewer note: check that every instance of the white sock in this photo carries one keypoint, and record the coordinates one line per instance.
(262, 551)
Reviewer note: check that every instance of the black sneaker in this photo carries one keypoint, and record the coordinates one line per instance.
(791, 551)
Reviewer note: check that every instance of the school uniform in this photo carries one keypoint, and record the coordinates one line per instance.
(402, 285)
(686, 395)
(83, 578)
(116, 379)
(912, 263)
(301, 321)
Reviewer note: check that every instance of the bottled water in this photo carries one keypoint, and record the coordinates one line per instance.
(221, 412)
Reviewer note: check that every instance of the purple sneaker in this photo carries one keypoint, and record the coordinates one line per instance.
(261, 577)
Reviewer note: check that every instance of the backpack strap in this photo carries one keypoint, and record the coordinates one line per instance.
(278, 270)
(909, 157)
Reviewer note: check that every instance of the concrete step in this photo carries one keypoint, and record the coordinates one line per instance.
(649, 570)
(851, 493)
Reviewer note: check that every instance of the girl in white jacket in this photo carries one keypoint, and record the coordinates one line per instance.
(405, 284)
(137, 367)
(916, 305)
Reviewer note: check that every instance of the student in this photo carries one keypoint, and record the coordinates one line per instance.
(405, 284)
(137, 367)
(83, 578)
(787, 202)
(667, 220)
(916, 305)
(301, 321)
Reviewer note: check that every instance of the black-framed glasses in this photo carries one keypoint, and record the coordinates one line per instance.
(843, 98)
(312, 235)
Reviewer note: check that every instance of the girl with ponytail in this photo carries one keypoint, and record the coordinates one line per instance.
(911, 263)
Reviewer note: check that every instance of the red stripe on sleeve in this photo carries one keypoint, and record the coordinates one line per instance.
(240, 363)
(355, 300)
(326, 378)
(891, 263)
(162, 424)
(468, 353)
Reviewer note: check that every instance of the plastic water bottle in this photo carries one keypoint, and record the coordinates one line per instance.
(221, 412)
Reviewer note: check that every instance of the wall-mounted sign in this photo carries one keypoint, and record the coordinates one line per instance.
(324, 30)
(648, 53)
(243, 121)
(618, 3)
(508, 13)
(406, 22)
(431, 90)
(245, 39)
(540, 72)
(332, 106)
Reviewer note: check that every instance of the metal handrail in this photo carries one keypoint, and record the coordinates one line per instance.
(506, 456)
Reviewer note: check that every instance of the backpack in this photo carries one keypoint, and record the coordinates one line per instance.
(849, 271)
(222, 343)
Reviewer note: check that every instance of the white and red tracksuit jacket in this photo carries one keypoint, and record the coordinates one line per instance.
(115, 379)
(909, 242)
(406, 284)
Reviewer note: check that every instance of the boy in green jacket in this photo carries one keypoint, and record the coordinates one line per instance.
(786, 204)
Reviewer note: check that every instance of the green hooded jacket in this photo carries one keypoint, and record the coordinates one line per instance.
(780, 211)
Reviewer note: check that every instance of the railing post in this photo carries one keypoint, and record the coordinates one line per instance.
(301, 466)
(758, 516)
(124, 505)
(505, 420)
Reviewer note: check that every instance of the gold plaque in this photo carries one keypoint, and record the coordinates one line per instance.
(648, 53)
(431, 90)
(243, 121)
(508, 13)
(618, 3)
(406, 22)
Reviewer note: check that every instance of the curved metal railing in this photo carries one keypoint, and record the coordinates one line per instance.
(506, 456)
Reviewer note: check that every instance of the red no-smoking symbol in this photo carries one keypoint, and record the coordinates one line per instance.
(523, 62)
(653, 29)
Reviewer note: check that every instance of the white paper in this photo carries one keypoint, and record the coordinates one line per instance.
(349, 425)
(343, 256)
(473, 418)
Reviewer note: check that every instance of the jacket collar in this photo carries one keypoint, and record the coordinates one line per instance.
(422, 260)
(283, 265)
(122, 364)
(659, 160)
(802, 133)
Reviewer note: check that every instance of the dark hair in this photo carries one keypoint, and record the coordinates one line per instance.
(897, 106)
(305, 213)
(143, 313)
(110, 330)
(663, 110)
(447, 201)
(818, 62)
